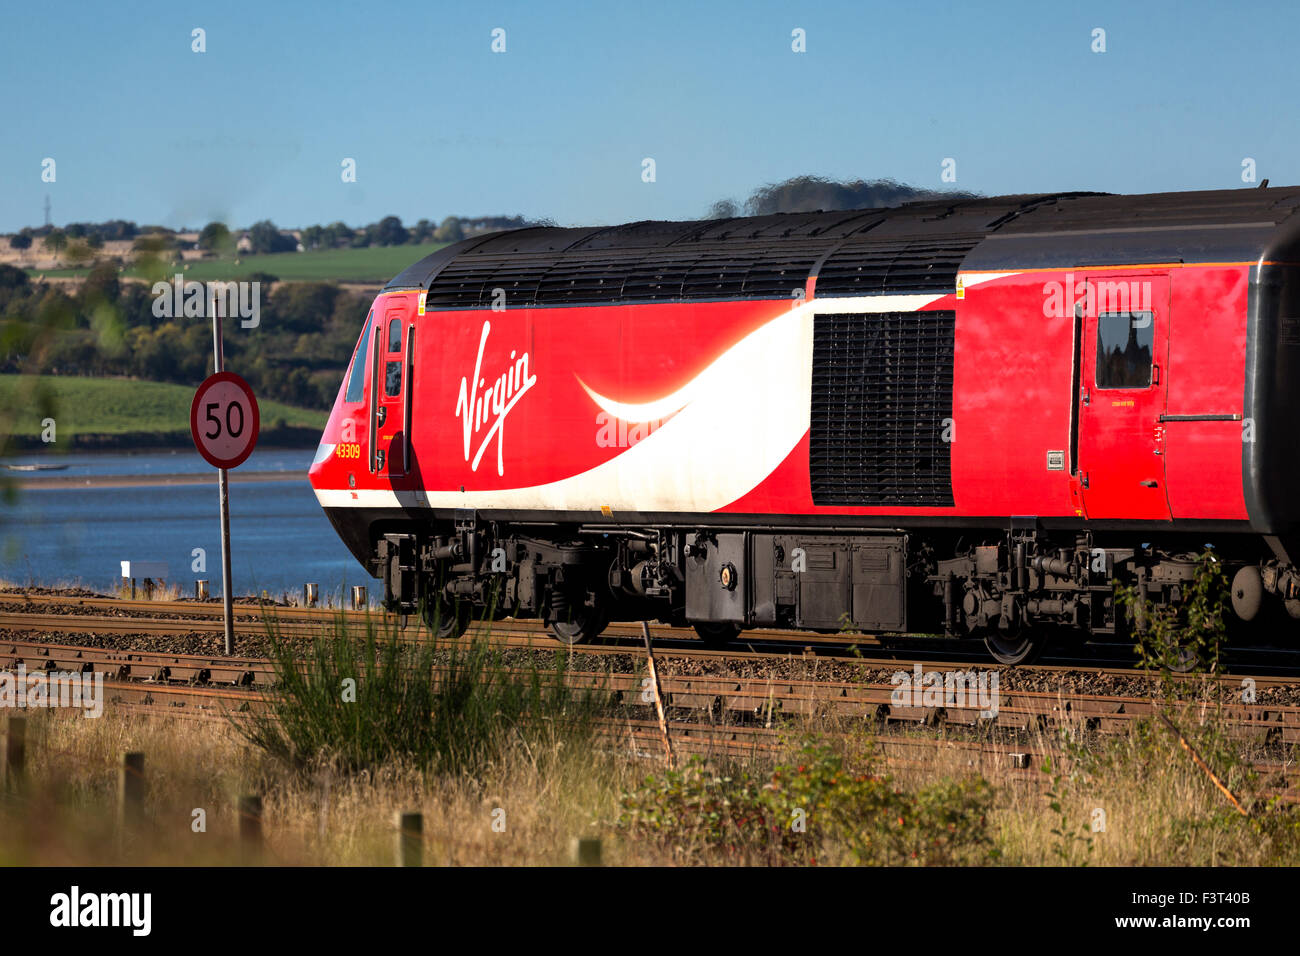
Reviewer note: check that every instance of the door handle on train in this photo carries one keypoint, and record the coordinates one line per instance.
(1155, 374)
(408, 397)
(373, 437)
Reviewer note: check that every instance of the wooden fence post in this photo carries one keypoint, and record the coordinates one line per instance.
(15, 750)
(410, 839)
(250, 823)
(130, 788)
(586, 851)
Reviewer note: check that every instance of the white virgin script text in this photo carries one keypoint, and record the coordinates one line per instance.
(477, 407)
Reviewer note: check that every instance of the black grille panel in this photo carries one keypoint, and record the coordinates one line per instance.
(881, 390)
(721, 272)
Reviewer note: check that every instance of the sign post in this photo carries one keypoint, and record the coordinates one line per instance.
(224, 422)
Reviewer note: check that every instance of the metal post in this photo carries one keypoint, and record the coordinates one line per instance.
(223, 490)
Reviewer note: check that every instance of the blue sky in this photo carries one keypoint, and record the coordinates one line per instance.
(142, 128)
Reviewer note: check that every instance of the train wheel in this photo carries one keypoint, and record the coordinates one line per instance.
(448, 621)
(715, 634)
(1247, 593)
(1011, 649)
(584, 624)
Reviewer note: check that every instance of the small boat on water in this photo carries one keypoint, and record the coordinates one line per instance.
(36, 467)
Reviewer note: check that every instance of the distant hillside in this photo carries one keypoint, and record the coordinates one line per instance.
(118, 412)
(372, 265)
(105, 328)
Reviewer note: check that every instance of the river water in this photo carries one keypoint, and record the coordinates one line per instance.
(79, 536)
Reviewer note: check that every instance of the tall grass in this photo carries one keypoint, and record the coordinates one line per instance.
(356, 698)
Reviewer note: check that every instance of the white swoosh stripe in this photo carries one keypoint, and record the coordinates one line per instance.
(661, 408)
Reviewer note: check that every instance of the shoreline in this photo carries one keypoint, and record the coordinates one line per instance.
(286, 436)
(151, 481)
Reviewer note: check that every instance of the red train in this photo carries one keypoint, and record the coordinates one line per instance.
(975, 416)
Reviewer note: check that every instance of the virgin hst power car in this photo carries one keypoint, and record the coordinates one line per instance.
(976, 417)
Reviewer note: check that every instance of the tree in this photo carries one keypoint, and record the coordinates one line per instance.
(55, 242)
(215, 237)
(337, 234)
(723, 209)
(265, 237)
(422, 231)
(118, 229)
(20, 241)
(155, 243)
(312, 237)
(12, 278)
(78, 252)
(450, 231)
(101, 285)
(389, 231)
(810, 193)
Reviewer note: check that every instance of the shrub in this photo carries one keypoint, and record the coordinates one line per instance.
(814, 810)
(451, 706)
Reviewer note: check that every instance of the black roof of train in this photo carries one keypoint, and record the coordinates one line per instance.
(915, 247)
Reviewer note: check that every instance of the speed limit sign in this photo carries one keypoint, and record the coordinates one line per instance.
(224, 420)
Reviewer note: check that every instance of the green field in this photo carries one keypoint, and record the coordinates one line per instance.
(119, 406)
(372, 264)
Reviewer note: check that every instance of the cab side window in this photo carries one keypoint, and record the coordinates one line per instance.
(393, 369)
(1125, 348)
(357, 374)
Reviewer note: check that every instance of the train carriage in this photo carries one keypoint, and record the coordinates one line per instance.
(974, 417)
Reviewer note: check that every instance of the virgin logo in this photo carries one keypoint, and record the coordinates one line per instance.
(481, 406)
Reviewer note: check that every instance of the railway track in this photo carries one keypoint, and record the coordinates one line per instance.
(1023, 704)
(99, 616)
(722, 697)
